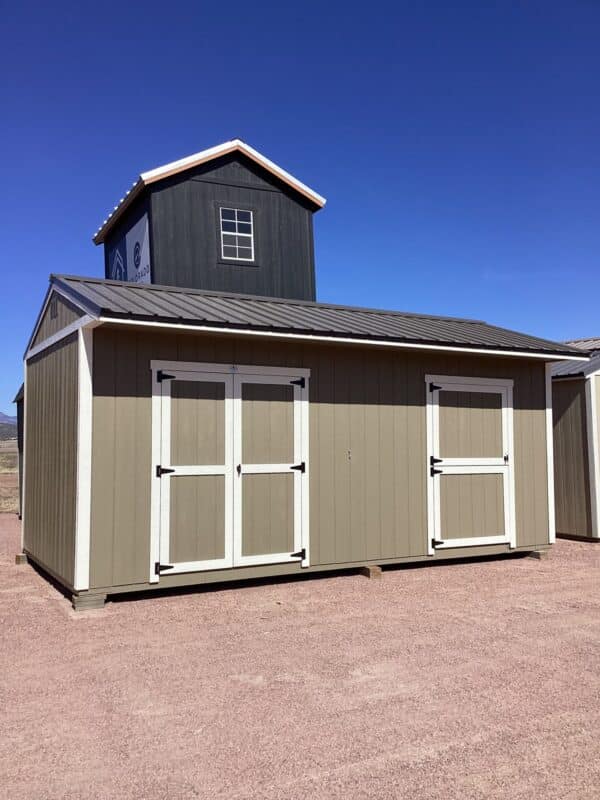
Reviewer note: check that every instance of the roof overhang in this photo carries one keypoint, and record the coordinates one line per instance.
(204, 156)
(353, 340)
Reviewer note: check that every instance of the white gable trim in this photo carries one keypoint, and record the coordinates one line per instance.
(174, 167)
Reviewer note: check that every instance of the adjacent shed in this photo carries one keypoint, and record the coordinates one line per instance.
(576, 397)
(198, 436)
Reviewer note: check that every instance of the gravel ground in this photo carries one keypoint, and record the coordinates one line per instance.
(475, 680)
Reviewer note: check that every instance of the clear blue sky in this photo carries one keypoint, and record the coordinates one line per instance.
(458, 144)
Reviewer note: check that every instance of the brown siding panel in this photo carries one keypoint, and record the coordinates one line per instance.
(51, 458)
(66, 313)
(368, 471)
(571, 471)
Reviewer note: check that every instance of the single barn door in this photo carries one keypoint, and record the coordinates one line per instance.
(196, 471)
(271, 469)
(470, 462)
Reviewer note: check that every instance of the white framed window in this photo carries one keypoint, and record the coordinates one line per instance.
(237, 234)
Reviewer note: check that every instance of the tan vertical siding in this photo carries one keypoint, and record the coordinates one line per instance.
(571, 465)
(66, 313)
(51, 458)
(368, 471)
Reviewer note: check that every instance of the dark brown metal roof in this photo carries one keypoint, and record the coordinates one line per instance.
(147, 302)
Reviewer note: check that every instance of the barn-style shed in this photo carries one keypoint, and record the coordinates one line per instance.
(180, 434)
(576, 397)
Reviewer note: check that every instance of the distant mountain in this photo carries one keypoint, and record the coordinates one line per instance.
(8, 420)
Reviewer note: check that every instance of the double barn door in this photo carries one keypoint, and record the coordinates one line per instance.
(233, 467)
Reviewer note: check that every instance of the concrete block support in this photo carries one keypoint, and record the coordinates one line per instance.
(370, 571)
(539, 554)
(86, 601)
(21, 558)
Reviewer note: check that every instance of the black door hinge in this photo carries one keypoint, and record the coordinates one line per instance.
(300, 467)
(434, 387)
(433, 471)
(506, 459)
(301, 382)
(163, 376)
(436, 543)
(158, 567)
(160, 471)
(433, 460)
(300, 554)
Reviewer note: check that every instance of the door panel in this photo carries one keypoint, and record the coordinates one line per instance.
(267, 514)
(196, 484)
(471, 506)
(470, 424)
(197, 422)
(232, 478)
(197, 518)
(267, 423)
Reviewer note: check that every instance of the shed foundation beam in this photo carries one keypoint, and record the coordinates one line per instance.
(539, 554)
(83, 602)
(370, 571)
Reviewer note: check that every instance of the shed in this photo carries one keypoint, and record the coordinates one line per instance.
(206, 419)
(576, 397)
(178, 437)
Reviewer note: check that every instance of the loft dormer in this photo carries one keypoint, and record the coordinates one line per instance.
(225, 219)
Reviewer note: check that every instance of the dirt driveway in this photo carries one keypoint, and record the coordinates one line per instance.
(477, 680)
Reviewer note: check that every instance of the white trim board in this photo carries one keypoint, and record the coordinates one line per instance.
(74, 326)
(593, 459)
(81, 578)
(550, 457)
(307, 337)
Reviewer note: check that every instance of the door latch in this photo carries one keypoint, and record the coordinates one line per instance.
(160, 471)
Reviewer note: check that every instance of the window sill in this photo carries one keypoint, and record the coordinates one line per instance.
(234, 263)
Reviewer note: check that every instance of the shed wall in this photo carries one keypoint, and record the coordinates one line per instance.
(571, 466)
(368, 493)
(66, 313)
(51, 458)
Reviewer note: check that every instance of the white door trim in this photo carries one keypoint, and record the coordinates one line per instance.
(83, 509)
(233, 375)
(463, 466)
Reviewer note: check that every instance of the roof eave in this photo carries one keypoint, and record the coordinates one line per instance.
(108, 316)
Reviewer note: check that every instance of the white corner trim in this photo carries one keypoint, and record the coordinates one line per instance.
(550, 457)
(307, 337)
(81, 579)
(23, 465)
(56, 337)
(593, 460)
